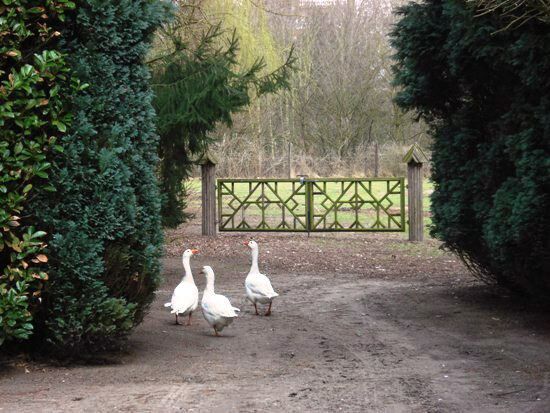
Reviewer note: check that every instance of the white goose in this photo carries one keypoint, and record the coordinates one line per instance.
(216, 308)
(185, 297)
(258, 286)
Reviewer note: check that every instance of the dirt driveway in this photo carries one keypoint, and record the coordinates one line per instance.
(363, 323)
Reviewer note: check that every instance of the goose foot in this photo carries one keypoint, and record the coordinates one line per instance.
(189, 321)
(177, 322)
(216, 333)
(268, 312)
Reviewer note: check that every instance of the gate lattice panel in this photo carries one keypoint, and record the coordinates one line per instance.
(311, 205)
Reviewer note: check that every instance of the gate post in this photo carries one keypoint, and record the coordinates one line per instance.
(208, 192)
(414, 159)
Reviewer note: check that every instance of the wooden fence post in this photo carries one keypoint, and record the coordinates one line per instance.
(414, 159)
(208, 175)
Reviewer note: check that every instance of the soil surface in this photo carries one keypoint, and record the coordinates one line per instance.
(364, 322)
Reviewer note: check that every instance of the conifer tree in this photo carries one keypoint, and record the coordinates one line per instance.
(198, 85)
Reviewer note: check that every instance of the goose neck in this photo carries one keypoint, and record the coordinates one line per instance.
(187, 267)
(209, 289)
(254, 268)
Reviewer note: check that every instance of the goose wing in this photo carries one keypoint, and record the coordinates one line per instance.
(219, 305)
(259, 284)
(184, 298)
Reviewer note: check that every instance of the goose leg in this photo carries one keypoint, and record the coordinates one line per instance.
(177, 322)
(256, 308)
(216, 332)
(189, 321)
(268, 312)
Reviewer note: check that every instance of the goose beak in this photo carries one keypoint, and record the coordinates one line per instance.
(195, 251)
(245, 243)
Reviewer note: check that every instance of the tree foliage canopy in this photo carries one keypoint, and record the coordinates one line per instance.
(514, 12)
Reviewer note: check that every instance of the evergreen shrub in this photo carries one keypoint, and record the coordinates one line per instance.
(104, 217)
(485, 92)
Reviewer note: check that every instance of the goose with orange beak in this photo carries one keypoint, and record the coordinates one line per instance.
(258, 286)
(185, 297)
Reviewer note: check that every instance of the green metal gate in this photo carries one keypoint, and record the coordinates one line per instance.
(311, 205)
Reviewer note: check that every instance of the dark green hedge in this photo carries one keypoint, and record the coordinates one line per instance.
(105, 214)
(485, 92)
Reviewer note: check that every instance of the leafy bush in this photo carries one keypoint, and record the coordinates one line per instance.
(105, 214)
(33, 77)
(485, 92)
